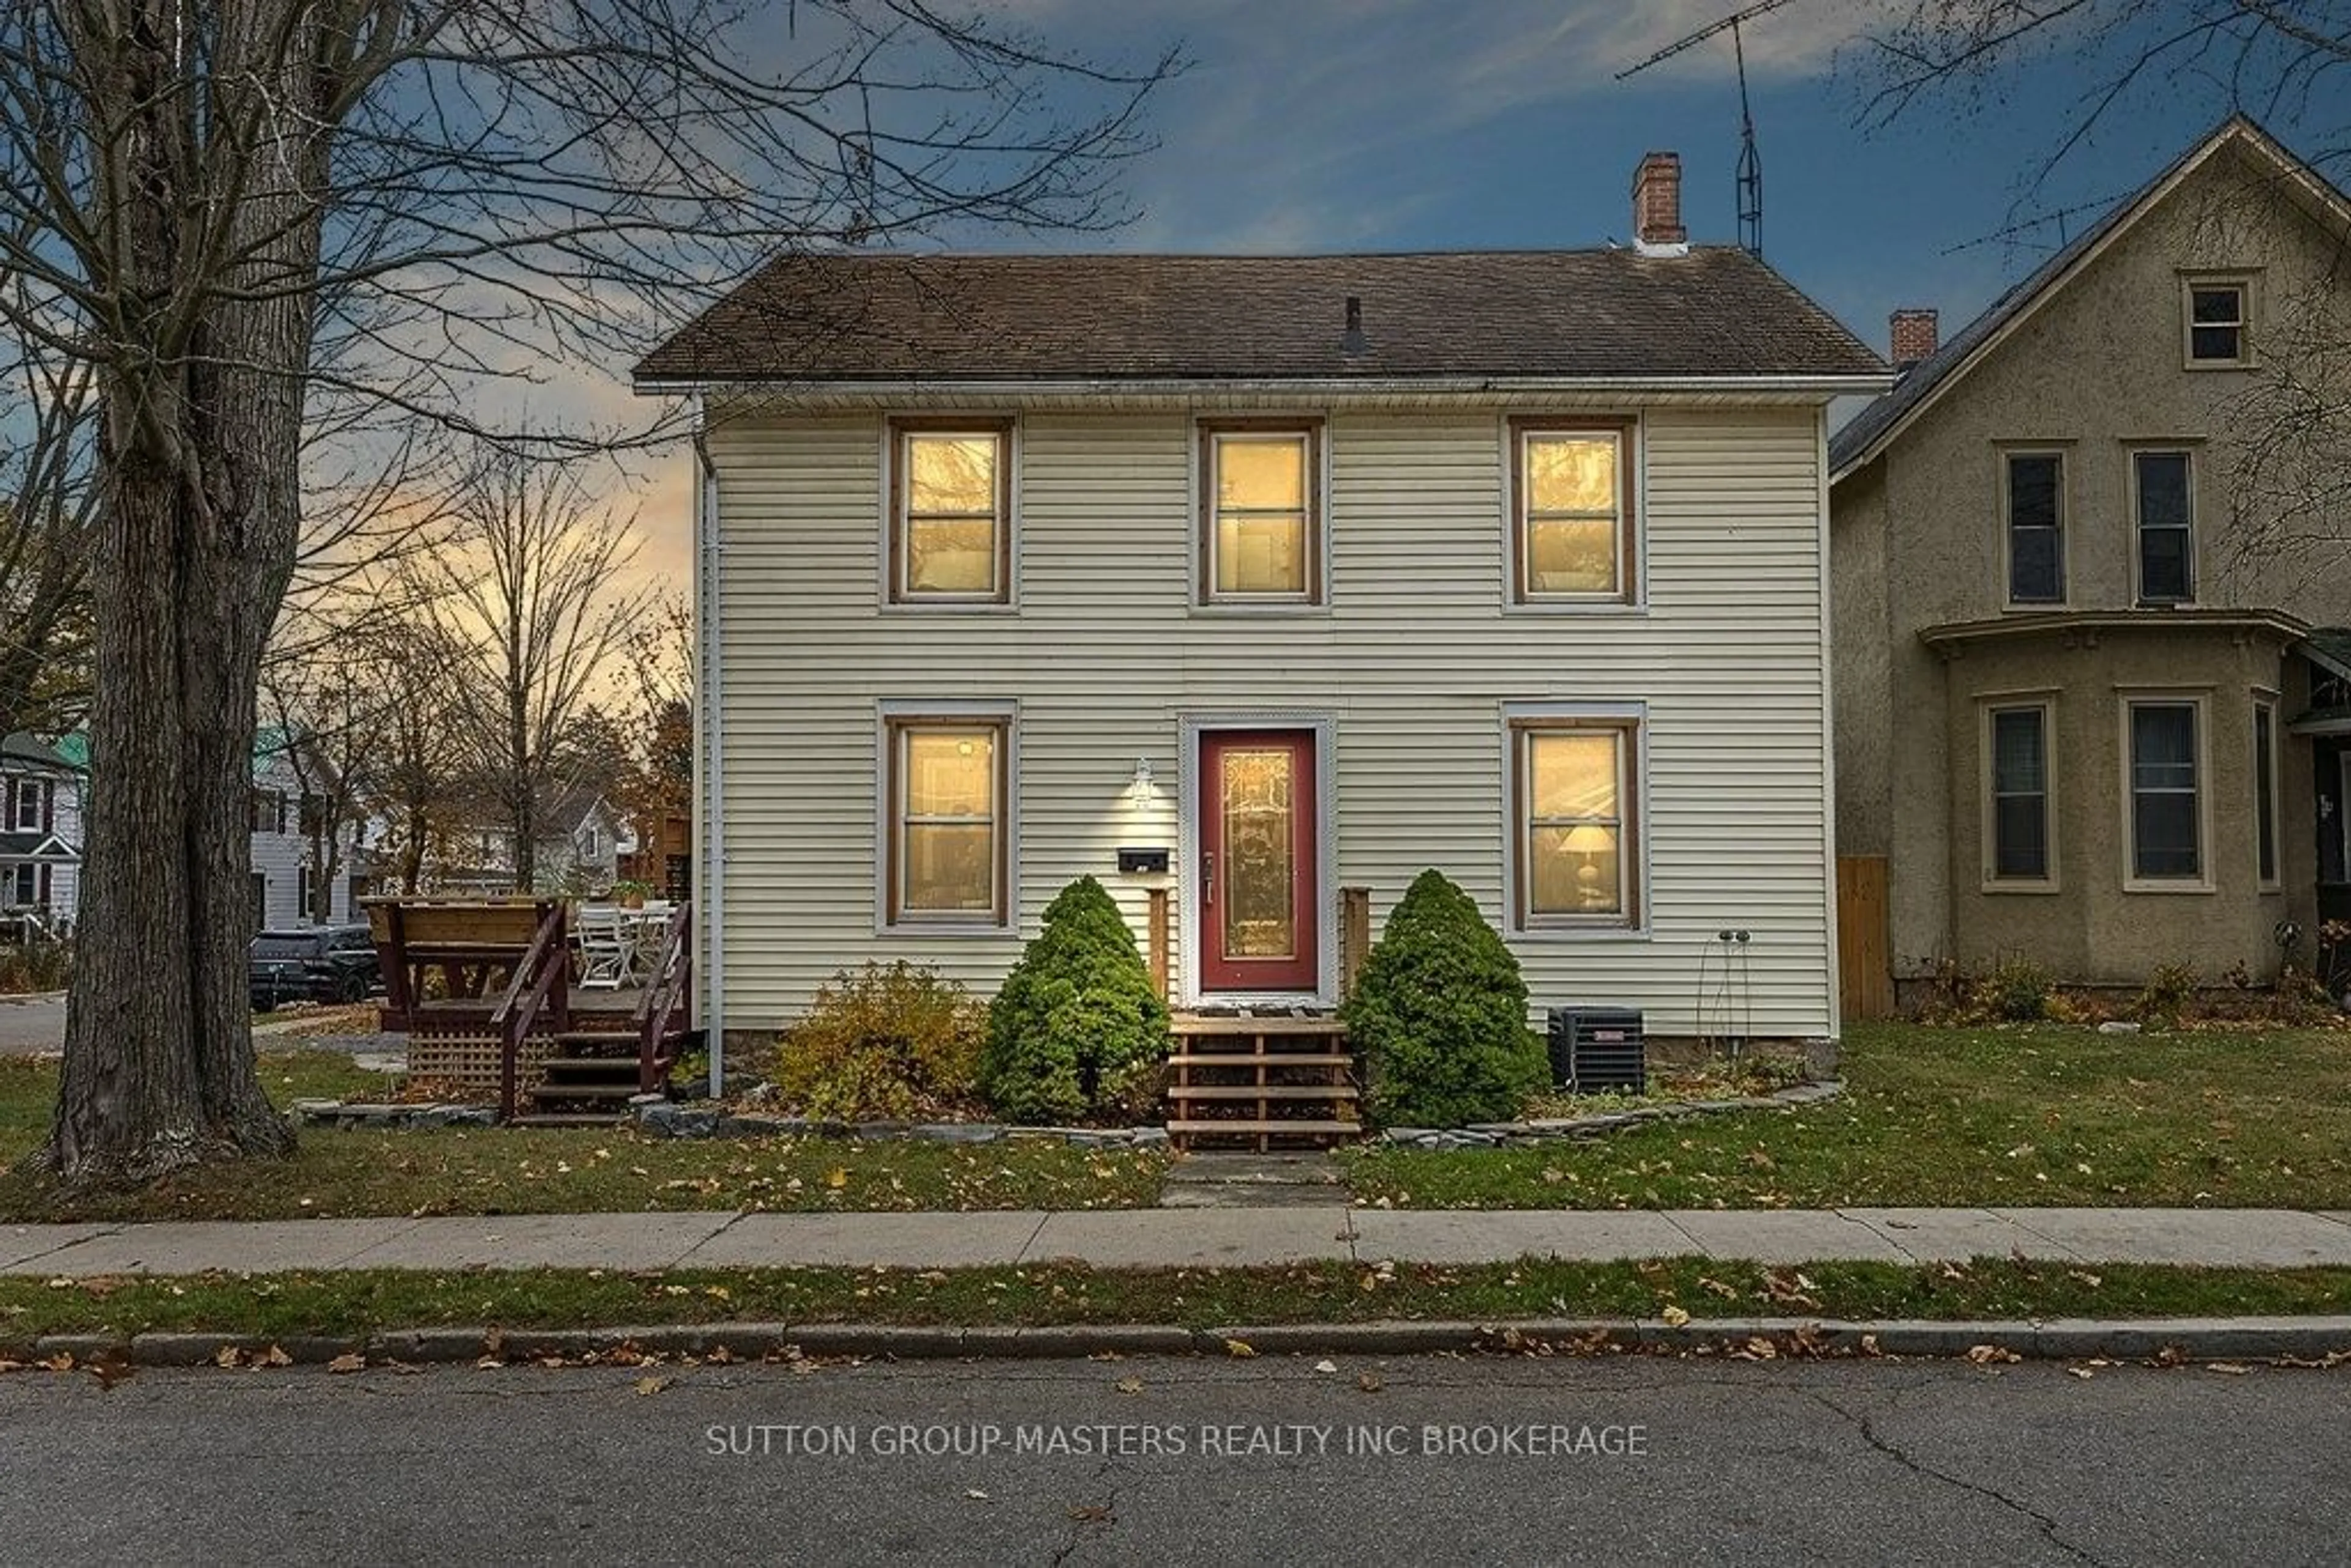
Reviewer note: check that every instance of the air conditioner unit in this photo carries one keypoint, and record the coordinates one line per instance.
(1598, 1049)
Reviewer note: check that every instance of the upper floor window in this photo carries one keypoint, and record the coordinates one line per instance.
(951, 511)
(1260, 537)
(2218, 319)
(2036, 528)
(268, 812)
(2163, 497)
(1572, 506)
(31, 804)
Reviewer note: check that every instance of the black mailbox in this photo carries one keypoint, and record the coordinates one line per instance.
(1143, 862)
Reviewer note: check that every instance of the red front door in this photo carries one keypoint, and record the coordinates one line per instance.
(1256, 879)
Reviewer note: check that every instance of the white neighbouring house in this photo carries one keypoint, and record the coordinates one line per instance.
(1302, 573)
(40, 837)
(290, 848)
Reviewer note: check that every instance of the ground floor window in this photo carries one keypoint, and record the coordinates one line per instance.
(2265, 791)
(22, 888)
(1576, 848)
(2018, 749)
(948, 779)
(2166, 811)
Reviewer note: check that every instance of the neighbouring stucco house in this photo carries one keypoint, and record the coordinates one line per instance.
(2085, 716)
(1253, 578)
(40, 836)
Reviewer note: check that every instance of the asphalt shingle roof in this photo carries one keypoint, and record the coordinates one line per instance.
(1715, 312)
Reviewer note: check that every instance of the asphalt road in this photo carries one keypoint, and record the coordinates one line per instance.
(1870, 1463)
(28, 1026)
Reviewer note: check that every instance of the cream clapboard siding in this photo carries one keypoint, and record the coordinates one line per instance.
(1413, 658)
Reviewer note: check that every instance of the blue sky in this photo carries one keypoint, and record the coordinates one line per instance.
(1319, 125)
(1459, 124)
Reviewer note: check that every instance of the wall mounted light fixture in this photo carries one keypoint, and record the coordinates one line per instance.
(1139, 787)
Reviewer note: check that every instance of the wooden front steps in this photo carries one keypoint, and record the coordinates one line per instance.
(587, 1083)
(1279, 1081)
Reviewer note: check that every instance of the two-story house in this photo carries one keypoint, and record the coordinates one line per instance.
(1253, 578)
(302, 867)
(40, 837)
(2088, 710)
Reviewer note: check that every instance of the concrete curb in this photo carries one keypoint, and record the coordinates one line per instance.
(2310, 1339)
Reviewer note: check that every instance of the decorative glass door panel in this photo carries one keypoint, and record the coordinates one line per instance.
(1256, 879)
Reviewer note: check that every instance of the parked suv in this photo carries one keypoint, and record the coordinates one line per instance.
(327, 964)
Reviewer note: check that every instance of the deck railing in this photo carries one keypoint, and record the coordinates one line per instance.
(662, 1010)
(541, 983)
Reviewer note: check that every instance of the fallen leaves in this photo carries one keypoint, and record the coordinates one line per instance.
(1991, 1355)
(648, 1387)
(348, 1363)
(1675, 1317)
(1239, 1348)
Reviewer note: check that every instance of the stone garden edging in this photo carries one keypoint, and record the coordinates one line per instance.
(1563, 1129)
(662, 1118)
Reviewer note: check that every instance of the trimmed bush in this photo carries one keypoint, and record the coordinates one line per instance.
(1440, 1015)
(887, 1042)
(2019, 991)
(1077, 1032)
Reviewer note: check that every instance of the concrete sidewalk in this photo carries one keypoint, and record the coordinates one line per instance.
(1214, 1238)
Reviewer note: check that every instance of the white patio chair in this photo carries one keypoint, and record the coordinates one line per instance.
(604, 949)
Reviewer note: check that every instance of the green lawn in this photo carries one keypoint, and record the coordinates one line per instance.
(2039, 1114)
(562, 1171)
(353, 1304)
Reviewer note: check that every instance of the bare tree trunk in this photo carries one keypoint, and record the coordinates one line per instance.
(195, 546)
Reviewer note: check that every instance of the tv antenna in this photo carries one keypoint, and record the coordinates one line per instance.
(1750, 164)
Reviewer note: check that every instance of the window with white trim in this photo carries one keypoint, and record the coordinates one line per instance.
(24, 887)
(2265, 792)
(2017, 777)
(949, 848)
(2167, 822)
(32, 802)
(1576, 838)
(2219, 317)
(2163, 500)
(2037, 534)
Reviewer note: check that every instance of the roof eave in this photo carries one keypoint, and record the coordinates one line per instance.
(1958, 634)
(1809, 384)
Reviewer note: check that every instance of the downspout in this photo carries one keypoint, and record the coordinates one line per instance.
(708, 753)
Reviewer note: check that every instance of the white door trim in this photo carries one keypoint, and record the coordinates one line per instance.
(1191, 727)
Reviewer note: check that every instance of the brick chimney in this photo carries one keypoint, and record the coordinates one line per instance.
(1657, 206)
(1912, 335)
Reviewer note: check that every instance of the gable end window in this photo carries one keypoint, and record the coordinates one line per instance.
(2163, 500)
(2167, 818)
(1260, 523)
(951, 511)
(948, 859)
(2036, 528)
(1571, 510)
(2217, 322)
(2018, 837)
(1576, 838)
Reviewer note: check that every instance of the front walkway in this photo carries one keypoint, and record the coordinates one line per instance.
(1189, 1238)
